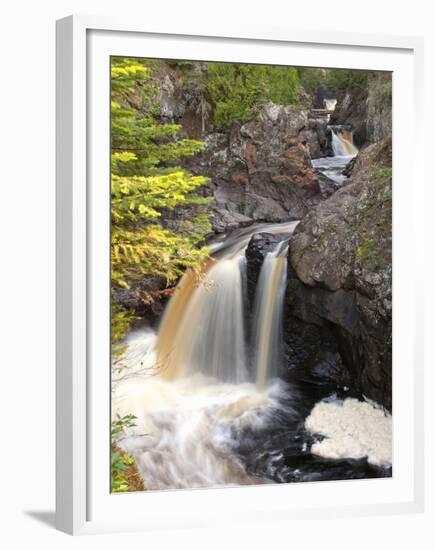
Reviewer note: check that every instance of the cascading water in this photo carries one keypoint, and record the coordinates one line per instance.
(344, 150)
(204, 416)
(330, 104)
(342, 143)
(203, 326)
(268, 314)
(191, 388)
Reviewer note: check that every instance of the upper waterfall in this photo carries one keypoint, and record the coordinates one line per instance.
(342, 142)
(330, 104)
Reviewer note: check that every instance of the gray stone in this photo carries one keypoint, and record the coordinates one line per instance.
(339, 285)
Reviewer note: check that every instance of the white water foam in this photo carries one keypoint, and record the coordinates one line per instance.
(330, 104)
(187, 430)
(352, 429)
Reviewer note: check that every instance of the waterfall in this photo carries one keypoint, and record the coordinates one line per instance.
(342, 143)
(343, 149)
(196, 405)
(203, 327)
(330, 104)
(202, 417)
(268, 314)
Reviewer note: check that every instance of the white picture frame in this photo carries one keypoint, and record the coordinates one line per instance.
(84, 504)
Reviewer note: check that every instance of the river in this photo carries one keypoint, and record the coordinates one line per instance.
(213, 402)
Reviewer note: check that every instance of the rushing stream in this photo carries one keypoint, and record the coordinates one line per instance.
(344, 151)
(211, 407)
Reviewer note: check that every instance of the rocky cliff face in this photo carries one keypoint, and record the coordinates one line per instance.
(379, 107)
(367, 110)
(338, 303)
(339, 288)
(261, 171)
(312, 351)
(351, 110)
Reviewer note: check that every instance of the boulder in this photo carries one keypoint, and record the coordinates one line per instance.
(339, 286)
(315, 138)
(311, 347)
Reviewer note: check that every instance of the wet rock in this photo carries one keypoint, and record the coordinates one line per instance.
(314, 136)
(339, 285)
(147, 298)
(259, 246)
(261, 171)
(311, 318)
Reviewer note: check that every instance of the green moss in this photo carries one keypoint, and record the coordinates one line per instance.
(373, 222)
(382, 173)
(367, 256)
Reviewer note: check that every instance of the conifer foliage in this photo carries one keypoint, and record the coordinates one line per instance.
(145, 181)
(238, 90)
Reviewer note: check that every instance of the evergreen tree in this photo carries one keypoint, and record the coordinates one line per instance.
(146, 180)
(312, 79)
(342, 80)
(234, 89)
(238, 90)
(281, 84)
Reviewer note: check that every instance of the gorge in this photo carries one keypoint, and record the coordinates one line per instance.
(271, 362)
